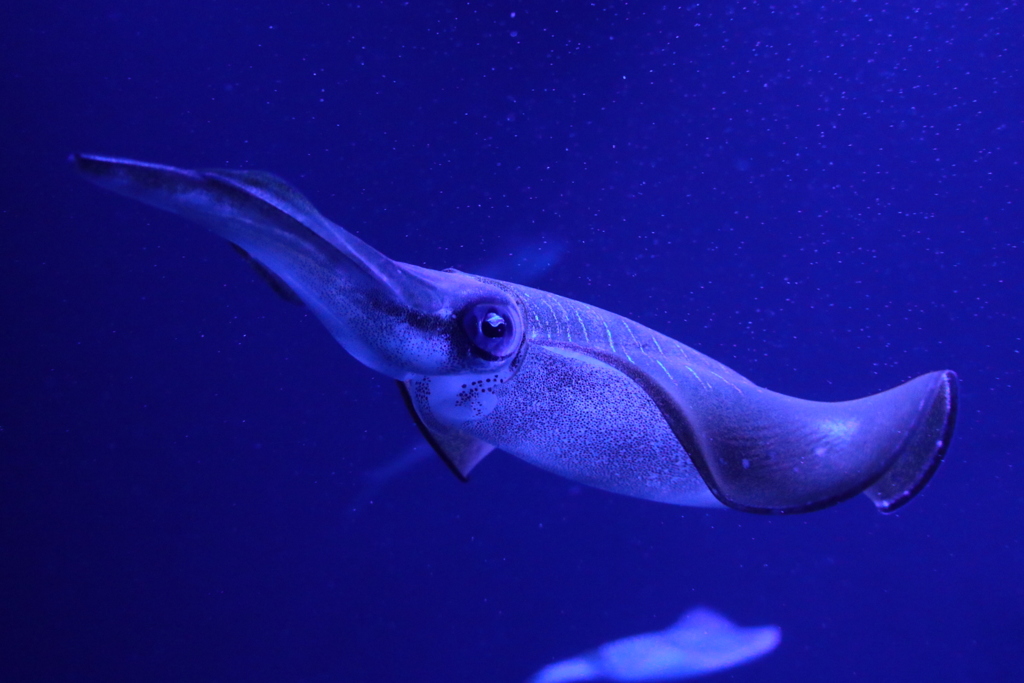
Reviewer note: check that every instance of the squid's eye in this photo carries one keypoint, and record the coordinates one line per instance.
(492, 330)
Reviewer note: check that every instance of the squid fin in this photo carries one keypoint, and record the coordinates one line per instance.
(460, 452)
(760, 451)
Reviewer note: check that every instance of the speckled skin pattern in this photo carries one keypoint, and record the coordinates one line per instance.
(571, 414)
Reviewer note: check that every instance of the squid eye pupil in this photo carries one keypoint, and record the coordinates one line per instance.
(492, 330)
(493, 326)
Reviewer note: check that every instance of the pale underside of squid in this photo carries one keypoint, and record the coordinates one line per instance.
(576, 390)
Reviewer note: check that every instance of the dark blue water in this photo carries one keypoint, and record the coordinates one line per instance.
(825, 197)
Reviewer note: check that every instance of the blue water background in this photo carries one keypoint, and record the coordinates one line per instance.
(825, 196)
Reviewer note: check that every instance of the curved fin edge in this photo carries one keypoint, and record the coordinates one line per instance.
(922, 474)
